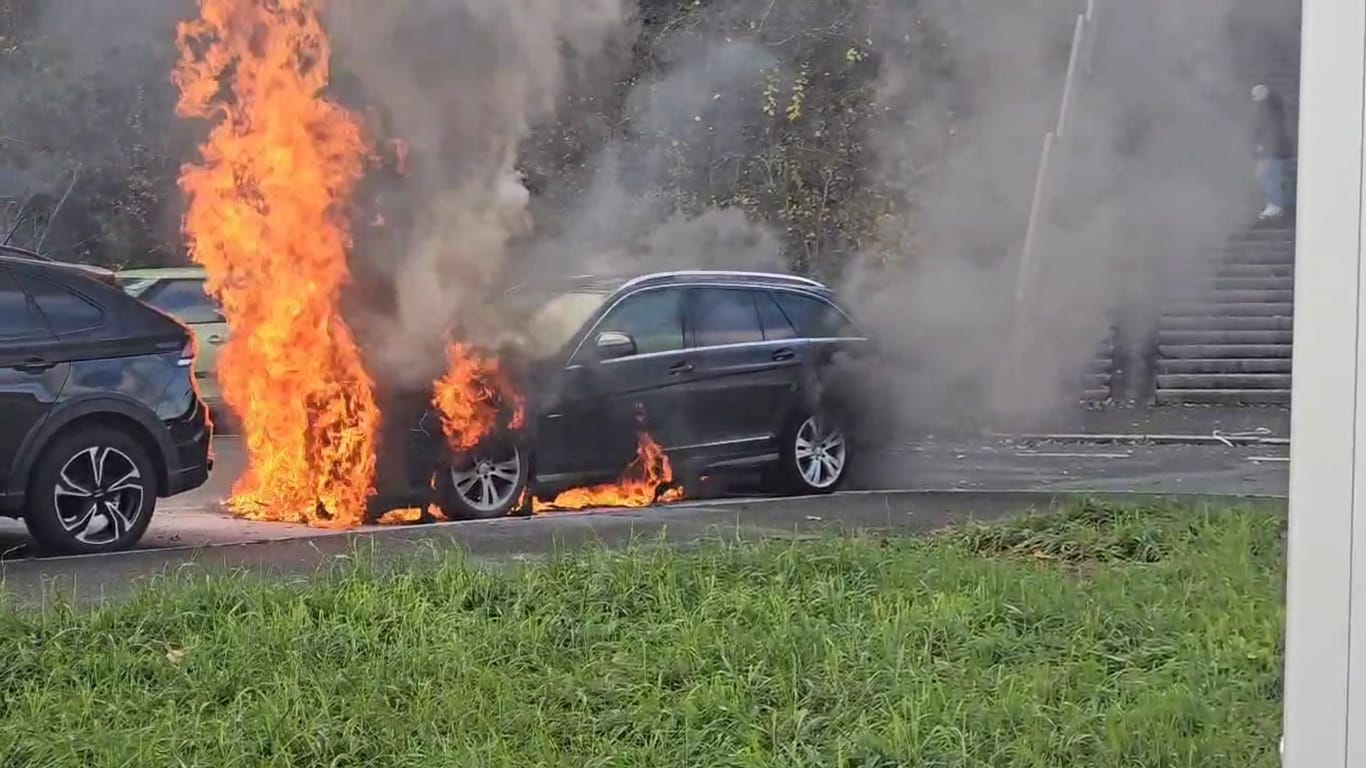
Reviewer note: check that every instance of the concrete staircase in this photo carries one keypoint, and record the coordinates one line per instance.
(1227, 338)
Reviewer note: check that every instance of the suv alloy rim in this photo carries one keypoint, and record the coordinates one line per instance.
(99, 495)
(820, 453)
(490, 481)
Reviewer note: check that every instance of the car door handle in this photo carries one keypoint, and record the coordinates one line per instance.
(784, 354)
(683, 366)
(215, 339)
(33, 365)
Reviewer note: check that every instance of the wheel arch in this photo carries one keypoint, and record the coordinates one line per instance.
(130, 418)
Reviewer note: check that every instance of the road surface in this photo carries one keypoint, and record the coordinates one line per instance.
(196, 518)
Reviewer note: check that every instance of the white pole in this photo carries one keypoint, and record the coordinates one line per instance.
(1325, 665)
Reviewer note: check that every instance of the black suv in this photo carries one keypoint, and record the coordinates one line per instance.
(98, 411)
(728, 369)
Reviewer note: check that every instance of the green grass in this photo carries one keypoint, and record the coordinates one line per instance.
(1095, 637)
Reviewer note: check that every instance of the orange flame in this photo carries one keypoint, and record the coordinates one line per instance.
(470, 398)
(639, 486)
(266, 220)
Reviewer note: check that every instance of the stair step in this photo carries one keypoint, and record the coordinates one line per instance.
(1200, 351)
(1224, 365)
(1243, 296)
(1223, 381)
(1264, 235)
(1255, 256)
(1248, 271)
(1165, 337)
(1230, 309)
(1255, 283)
(1226, 323)
(1223, 396)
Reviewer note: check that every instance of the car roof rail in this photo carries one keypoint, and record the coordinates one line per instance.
(774, 277)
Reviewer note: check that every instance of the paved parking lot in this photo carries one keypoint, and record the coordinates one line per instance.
(196, 518)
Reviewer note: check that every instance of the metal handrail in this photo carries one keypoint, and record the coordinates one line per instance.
(1079, 61)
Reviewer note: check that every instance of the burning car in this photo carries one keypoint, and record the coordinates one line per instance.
(626, 391)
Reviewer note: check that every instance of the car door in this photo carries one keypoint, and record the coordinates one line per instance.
(591, 429)
(186, 300)
(744, 380)
(30, 380)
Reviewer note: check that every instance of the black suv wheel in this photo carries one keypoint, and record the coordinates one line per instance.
(814, 453)
(93, 490)
(489, 482)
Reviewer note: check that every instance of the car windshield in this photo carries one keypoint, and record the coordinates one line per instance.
(551, 325)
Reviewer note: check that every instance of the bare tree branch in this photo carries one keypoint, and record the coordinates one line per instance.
(51, 217)
(18, 219)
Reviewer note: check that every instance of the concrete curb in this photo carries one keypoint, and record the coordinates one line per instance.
(901, 513)
(1216, 438)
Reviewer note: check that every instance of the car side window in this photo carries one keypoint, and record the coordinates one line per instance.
(720, 316)
(776, 325)
(17, 318)
(653, 318)
(65, 311)
(186, 300)
(814, 318)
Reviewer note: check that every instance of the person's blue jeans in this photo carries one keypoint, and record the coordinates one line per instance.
(1271, 174)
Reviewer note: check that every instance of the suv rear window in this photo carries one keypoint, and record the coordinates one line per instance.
(17, 318)
(66, 312)
(814, 318)
(720, 316)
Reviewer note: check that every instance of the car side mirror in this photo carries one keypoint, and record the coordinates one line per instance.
(613, 345)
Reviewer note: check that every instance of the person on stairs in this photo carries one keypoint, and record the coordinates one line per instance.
(1274, 151)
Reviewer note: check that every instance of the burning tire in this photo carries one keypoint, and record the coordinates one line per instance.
(486, 483)
(93, 491)
(814, 455)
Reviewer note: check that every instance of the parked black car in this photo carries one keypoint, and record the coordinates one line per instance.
(98, 410)
(729, 369)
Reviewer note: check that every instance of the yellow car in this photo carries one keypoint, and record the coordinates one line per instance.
(179, 292)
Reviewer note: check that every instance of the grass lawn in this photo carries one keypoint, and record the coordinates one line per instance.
(1101, 636)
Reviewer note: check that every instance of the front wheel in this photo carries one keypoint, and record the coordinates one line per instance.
(814, 455)
(487, 483)
(93, 491)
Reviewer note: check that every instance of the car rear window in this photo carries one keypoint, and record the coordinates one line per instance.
(814, 318)
(184, 300)
(721, 316)
(17, 318)
(66, 311)
(776, 325)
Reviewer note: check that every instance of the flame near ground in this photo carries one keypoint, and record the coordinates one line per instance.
(267, 219)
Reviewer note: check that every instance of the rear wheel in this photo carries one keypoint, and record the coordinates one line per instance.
(814, 455)
(486, 483)
(93, 490)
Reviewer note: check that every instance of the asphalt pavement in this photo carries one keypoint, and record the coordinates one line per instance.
(197, 518)
(934, 483)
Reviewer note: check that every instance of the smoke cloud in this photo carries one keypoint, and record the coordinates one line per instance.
(463, 83)
(1153, 172)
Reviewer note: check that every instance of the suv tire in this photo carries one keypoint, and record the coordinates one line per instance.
(487, 483)
(93, 490)
(814, 454)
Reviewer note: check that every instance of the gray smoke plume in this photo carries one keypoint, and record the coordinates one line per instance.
(688, 126)
(1153, 173)
(463, 82)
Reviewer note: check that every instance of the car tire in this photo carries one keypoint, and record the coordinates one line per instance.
(93, 490)
(487, 483)
(814, 455)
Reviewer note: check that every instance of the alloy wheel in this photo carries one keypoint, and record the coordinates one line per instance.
(820, 452)
(99, 495)
(490, 480)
